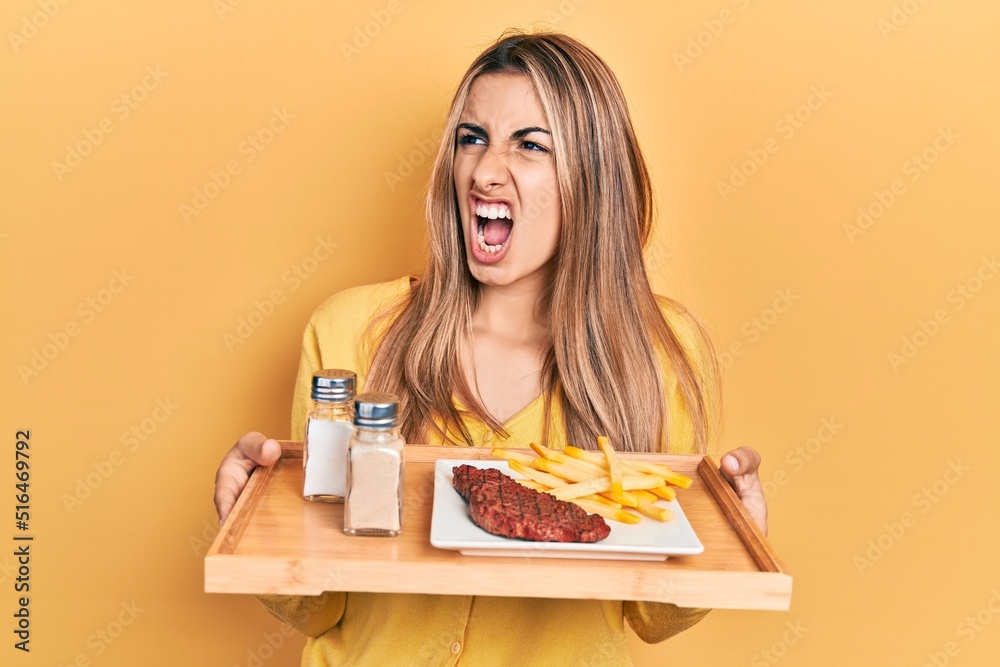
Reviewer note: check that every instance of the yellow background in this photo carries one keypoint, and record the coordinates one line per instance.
(894, 76)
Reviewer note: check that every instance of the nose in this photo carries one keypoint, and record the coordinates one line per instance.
(491, 169)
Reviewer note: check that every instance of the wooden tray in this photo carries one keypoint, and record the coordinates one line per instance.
(275, 542)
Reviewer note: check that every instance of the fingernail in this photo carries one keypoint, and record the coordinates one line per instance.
(732, 463)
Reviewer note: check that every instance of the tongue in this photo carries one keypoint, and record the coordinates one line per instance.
(496, 232)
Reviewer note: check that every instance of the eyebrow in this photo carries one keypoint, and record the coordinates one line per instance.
(517, 134)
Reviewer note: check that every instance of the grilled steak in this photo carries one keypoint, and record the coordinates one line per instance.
(501, 506)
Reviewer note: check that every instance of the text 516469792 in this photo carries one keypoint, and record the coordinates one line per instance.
(22, 540)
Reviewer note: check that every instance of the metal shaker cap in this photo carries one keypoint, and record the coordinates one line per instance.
(333, 385)
(376, 409)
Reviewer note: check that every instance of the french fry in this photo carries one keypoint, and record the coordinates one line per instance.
(665, 492)
(639, 467)
(512, 455)
(544, 478)
(585, 467)
(602, 484)
(545, 452)
(651, 510)
(668, 475)
(614, 467)
(532, 484)
(607, 512)
(648, 496)
(598, 498)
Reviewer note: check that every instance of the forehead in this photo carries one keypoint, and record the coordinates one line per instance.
(503, 100)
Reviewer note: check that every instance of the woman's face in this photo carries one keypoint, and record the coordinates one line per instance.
(505, 179)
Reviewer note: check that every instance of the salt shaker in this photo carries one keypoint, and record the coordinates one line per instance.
(374, 504)
(329, 425)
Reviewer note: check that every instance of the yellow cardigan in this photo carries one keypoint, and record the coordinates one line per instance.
(403, 629)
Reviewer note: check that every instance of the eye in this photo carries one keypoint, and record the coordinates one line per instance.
(532, 146)
(468, 139)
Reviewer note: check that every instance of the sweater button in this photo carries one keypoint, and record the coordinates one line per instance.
(488, 437)
(455, 648)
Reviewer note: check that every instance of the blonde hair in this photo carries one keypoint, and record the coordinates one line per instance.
(609, 336)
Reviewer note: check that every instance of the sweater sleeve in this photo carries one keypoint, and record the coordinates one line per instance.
(655, 621)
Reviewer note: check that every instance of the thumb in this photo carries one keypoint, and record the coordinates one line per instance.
(741, 461)
(258, 450)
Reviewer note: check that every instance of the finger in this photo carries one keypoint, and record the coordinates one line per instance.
(257, 449)
(740, 461)
(228, 485)
(251, 450)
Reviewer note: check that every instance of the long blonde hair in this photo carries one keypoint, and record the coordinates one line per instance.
(609, 336)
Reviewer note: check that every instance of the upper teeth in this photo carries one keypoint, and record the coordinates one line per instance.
(493, 211)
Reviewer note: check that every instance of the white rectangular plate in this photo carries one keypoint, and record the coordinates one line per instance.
(451, 528)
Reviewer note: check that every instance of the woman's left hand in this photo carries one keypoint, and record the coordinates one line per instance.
(740, 468)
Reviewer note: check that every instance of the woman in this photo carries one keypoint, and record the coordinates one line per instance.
(533, 321)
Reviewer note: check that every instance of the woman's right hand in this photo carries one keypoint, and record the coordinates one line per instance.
(252, 450)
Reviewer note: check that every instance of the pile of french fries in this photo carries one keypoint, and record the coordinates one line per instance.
(599, 482)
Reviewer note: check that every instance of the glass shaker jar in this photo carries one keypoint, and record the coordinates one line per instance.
(329, 425)
(374, 504)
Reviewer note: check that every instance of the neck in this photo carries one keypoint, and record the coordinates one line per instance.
(514, 310)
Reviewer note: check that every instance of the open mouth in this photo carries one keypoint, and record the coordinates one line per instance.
(494, 225)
